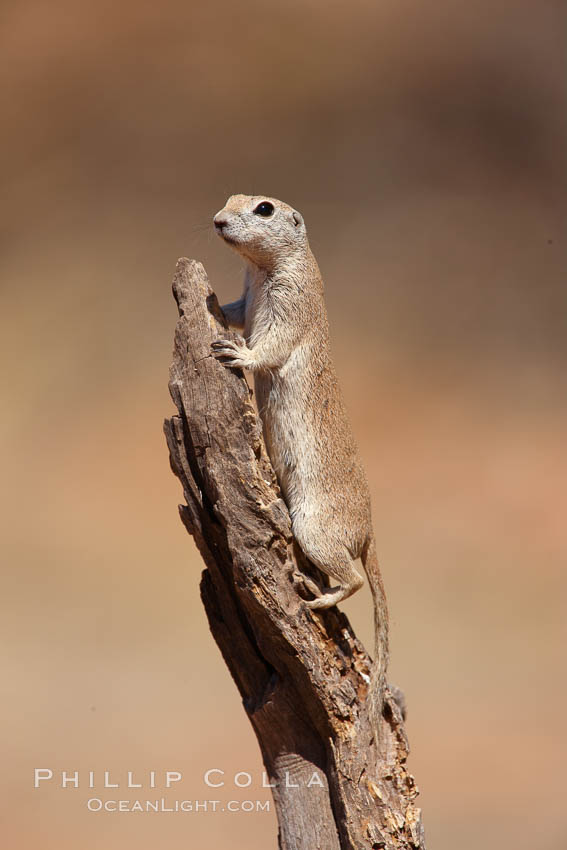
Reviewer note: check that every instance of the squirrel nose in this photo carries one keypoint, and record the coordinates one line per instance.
(220, 221)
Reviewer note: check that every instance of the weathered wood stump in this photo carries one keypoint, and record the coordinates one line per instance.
(302, 675)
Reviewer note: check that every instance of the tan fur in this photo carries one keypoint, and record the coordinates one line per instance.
(308, 436)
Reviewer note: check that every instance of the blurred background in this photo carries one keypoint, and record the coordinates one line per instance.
(423, 144)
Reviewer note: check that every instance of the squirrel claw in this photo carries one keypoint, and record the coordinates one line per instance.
(303, 582)
(232, 352)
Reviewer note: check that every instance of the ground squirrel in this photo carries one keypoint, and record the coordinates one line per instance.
(306, 429)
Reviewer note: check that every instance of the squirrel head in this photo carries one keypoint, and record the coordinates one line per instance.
(264, 230)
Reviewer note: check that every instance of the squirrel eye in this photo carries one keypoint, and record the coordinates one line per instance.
(265, 209)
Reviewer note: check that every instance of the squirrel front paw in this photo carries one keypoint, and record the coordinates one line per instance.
(232, 353)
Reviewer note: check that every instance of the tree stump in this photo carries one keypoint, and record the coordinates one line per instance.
(303, 676)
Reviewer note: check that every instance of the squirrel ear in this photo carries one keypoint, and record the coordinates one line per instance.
(297, 218)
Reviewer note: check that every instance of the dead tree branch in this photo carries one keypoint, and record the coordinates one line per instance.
(302, 675)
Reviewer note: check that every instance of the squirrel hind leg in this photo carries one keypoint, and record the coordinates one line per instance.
(332, 558)
(350, 581)
(336, 594)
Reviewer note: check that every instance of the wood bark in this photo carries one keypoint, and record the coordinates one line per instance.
(302, 675)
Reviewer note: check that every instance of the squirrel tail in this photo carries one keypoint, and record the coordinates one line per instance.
(381, 651)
